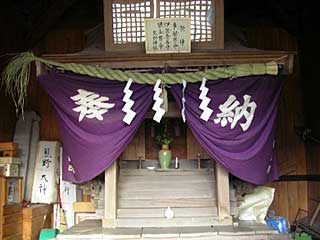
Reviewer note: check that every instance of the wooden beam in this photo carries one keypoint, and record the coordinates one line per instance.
(194, 59)
(223, 199)
(110, 214)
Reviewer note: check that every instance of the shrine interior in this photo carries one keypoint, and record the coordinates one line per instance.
(75, 31)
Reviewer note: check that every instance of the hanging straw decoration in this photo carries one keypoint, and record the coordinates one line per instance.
(15, 78)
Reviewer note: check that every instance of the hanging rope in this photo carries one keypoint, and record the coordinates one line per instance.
(15, 78)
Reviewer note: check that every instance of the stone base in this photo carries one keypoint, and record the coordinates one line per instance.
(92, 229)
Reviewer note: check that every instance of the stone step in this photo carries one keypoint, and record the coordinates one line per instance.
(173, 222)
(159, 212)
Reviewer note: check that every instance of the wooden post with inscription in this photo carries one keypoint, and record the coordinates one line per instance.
(110, 210)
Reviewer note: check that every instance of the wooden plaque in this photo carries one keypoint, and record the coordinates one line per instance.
(168, 35)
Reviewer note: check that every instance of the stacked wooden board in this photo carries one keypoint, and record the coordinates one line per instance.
(36, 217)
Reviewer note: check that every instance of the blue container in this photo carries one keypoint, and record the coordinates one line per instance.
(48, 234)
(279, 224)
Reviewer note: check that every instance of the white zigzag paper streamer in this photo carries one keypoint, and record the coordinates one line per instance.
(183, 100)
(158, 102)
(130, 114)
(205, 101)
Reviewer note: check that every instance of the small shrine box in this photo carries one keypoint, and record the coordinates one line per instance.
(124, 22)
(8, 160)
(10, 207)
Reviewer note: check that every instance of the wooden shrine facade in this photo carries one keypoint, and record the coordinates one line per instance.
(187, 62)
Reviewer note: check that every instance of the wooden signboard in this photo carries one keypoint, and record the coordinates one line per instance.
(168, 35)
(44, 183)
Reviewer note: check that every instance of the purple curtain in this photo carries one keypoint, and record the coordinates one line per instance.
(239, 133)
(247, 150)
(91, 145)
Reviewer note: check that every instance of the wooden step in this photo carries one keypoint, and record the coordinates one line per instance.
(146, 186)
(159, 212)
(168, 179)
(160, 194)
(156, 203)
(173, 222)
(182, 172)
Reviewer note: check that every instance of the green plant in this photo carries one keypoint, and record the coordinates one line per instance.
(163, 136)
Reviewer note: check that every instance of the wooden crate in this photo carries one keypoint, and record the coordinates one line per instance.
(124, 22)
(35, 218)
(10, 213)
(11, 222)
(7, 149)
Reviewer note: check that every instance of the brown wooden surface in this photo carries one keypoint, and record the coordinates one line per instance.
(110, 211)
(7, 146)
(194, 149)
(137, 148)
(223, 194)
(313, 157)
(11, 221)
(35, 218)
(289, 196)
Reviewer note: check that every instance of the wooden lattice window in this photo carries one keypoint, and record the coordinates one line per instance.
(128, 20)
(199, 11)
(124, 21)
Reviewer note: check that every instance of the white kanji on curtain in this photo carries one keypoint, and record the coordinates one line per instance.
(91, 105)
(231, 112)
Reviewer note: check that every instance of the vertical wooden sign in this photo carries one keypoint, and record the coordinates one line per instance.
(45, 175)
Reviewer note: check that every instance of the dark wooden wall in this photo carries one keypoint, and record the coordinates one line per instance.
(7, 111)
(290, 196)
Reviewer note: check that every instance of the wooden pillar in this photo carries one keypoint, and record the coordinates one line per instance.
(223, 199)
(110, 197)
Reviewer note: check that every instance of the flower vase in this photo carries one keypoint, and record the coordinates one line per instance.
(165, 157)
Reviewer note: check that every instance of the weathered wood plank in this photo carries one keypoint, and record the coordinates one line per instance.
(159, 172)
(132, 186)
(160, 194)
(173, 222)
(136, 148)
(154, 203)
(110, 196)
(169, 179)
(159, 212)
(8, 146)
(223, 194)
